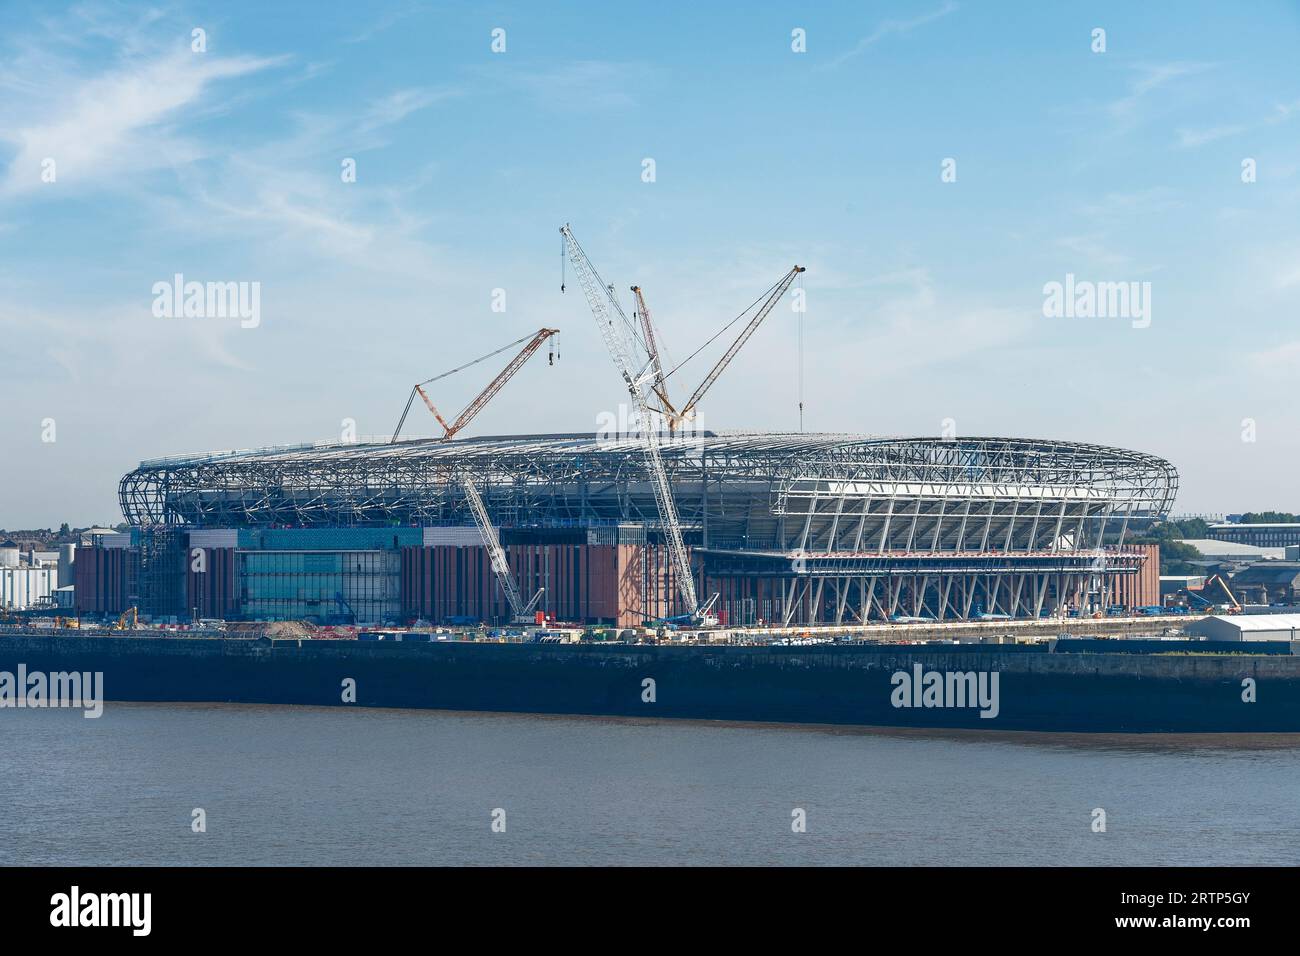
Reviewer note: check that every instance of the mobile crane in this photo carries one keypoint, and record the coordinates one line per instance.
(520, 611)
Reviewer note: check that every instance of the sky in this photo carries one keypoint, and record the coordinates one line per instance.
(935, 165)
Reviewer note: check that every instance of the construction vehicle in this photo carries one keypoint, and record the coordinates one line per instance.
(520, 612)
(703, 618)
(1215, 583)
(131, 614)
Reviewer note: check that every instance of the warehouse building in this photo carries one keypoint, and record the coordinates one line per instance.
(1263, 535)
(1248, 627)
(1268, 582)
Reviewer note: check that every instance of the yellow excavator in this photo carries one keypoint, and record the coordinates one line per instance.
(131, 614)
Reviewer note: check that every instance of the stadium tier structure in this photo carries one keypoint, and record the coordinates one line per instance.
(789, 529)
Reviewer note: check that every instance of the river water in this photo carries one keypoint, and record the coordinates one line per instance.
(301, 785)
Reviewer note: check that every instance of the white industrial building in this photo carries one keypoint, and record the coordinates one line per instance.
(23, 585)
(1248, 627)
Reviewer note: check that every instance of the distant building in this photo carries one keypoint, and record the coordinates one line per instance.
(1259, 535)
(90, 534)
(1269, 582)
(22, 587)
(24, 584)
(1231, 552)
(1248, 627)
(1175, 583)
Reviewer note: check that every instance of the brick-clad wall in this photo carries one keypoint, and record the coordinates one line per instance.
(620, 584)
(104, 578)
(445, 581)
(211, 592)
(1141, 589)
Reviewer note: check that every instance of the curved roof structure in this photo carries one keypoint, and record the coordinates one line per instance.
(751, 489)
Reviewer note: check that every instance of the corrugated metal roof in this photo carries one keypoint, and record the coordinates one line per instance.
(1260, 622)
(1213, 547)
(1242, 525)
(1274, 572)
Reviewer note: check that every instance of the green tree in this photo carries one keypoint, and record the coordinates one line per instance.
(1269, 517)
(1176, 558)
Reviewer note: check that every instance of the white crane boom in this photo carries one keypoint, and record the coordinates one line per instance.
(773, 297)
(496, 554)
(619, 337)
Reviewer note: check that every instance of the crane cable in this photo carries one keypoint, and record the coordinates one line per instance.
(411, 398)
(799, 280)
(483, 358)
(762, 295)
(640, 339)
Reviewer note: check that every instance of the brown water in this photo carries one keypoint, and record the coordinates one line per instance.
(296, 785)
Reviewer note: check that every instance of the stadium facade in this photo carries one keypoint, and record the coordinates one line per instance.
(789, 529)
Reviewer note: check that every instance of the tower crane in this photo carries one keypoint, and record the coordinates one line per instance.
(620, 338)
(491, 541)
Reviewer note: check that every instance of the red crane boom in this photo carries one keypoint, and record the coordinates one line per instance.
(483, 397)
(494, 386)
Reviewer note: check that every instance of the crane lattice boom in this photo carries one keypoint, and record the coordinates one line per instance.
(777, 291)
(507, 373)
(619, 336)
(491, 541)
(652, 349)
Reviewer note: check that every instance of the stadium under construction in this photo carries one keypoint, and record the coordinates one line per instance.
(785, 529)
(665, 523)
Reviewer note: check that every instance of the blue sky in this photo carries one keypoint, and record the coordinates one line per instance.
(925, 298)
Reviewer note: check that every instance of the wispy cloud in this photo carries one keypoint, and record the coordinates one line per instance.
(890, 27)
(601, 84)
(385, 20)
(1278, 360)
(1282, 113)
(1120, 205)
(397, 106)
(1149, 78)
(93, 131)
(1093, 250)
